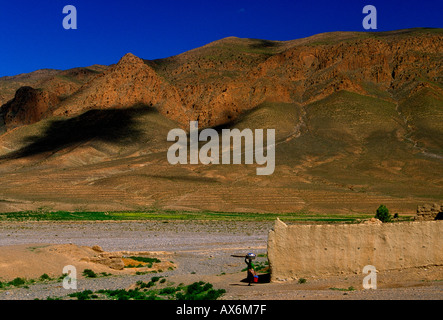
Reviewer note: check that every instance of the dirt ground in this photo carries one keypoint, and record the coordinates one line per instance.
(198, 251)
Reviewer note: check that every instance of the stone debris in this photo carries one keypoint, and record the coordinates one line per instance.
(373, 221)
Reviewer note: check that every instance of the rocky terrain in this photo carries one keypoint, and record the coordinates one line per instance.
(199, 251)
(358, 119)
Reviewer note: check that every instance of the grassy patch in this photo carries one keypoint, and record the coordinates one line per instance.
(199, 291)
(164, 215)
(343, 289)
(83, 295)
(139, 262)
(21, 282)
(147, 291)
(139, 273)
(145, 259)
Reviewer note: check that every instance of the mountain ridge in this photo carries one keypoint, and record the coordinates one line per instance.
(266, 62)
(358, 119)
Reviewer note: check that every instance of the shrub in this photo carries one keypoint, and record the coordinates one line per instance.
(88, 273)
(143, 285)
(196, 291)
(121, 294)
(145, 259)
(17, 282)
(383, 214)
(168, 290)
(83, 295)
(200, 291)
(44, 277)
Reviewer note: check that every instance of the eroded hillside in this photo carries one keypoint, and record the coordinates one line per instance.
(358, 119)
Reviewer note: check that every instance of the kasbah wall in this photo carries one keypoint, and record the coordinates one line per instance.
(297, 251)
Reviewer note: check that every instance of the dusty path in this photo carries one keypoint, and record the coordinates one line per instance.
(202, 251)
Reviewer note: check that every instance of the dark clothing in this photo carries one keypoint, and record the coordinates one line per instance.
(251, 271)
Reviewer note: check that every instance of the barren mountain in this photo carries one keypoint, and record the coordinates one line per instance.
(358, 119)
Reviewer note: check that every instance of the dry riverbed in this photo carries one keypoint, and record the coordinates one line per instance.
(201, 251)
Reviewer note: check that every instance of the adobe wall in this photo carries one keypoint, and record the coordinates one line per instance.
(297, 251)
(429, 212)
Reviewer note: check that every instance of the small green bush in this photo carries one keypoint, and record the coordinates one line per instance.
(383, 214)
(88, 273)
(200, 291)
(44, 277)
(82, 295)
(17, 282)
(168, 290)
(143, 285)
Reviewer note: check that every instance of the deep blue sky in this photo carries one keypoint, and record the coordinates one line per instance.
(32, 36)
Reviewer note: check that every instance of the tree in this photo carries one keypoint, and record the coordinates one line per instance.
(383, 214)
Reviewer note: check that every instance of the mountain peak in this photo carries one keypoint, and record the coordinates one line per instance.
(130, 58)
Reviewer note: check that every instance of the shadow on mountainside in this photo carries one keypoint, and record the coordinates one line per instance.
(264, 44)
(116, 126)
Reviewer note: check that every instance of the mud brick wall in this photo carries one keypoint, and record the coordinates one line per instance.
(297, 251)
(429, 212)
